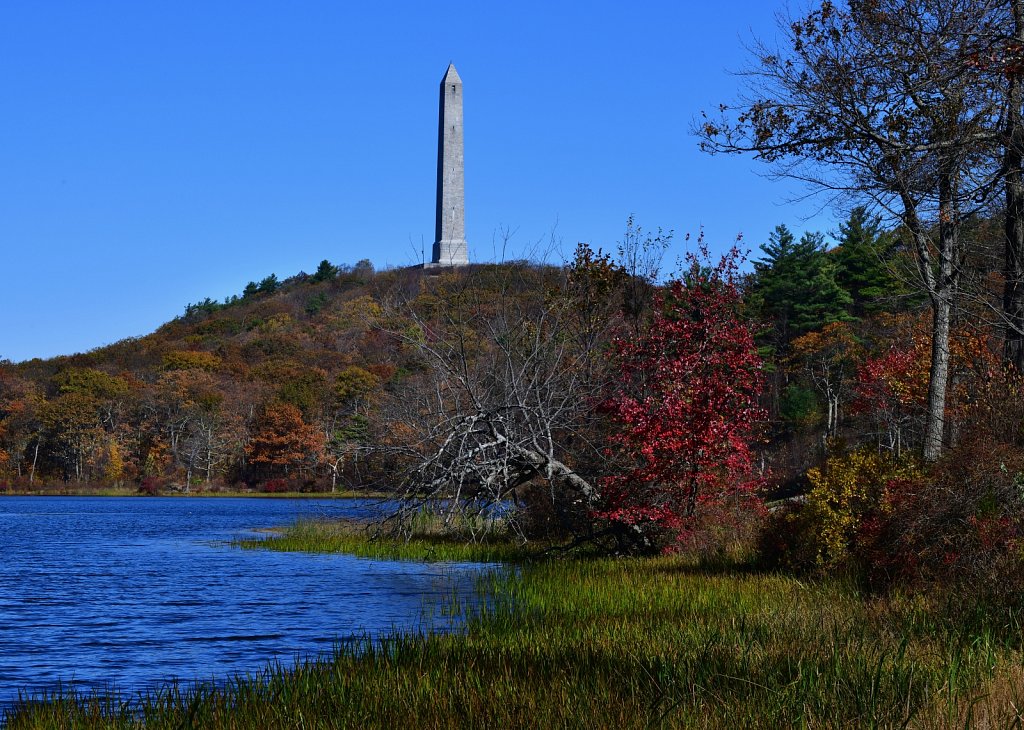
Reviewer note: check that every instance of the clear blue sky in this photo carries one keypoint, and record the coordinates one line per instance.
(156, 153)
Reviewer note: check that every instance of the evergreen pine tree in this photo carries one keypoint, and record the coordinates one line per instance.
(269, 284)
(795, 285)
(863, 261)
(824, 301)
(325, 271)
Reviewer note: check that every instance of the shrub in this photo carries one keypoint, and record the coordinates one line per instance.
(799, 406)
(151, 486)
(962, 530)
(191, 360)
(819, 531)
(848, 486)
(786, 541)
(684, 413)
(315, 303)
(730, 528)
(274, 486)
(955, 532)
(546, 514)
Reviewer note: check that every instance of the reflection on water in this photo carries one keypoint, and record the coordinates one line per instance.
(128, 592)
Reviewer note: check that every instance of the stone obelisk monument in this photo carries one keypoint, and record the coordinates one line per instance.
(450, 224)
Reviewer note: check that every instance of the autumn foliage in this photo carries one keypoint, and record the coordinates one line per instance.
(685, 408)
(284, 443)
(601, 404)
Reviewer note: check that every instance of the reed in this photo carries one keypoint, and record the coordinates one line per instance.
(428, 542)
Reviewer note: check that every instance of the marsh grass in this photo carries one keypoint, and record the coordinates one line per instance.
(428, 542)
(611, 643)
(997, 703)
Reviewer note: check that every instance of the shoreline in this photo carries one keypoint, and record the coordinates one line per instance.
(627, 642)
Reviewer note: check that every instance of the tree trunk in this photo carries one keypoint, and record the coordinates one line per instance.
(940, 274)
(935, 416)
(552, 467)
(35, 458)
(1013, 263)
(942, 292)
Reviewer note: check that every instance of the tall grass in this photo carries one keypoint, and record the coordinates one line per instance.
(426, 543)
(607, 643)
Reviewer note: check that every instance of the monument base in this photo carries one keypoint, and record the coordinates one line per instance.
(450, 253)
(435, 266)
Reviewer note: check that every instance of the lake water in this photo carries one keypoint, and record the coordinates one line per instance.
(125, 593)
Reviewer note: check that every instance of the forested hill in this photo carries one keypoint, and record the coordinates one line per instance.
(270, 388)
(351, 377)
(234, 335)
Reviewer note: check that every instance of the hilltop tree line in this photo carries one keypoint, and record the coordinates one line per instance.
(261, 388)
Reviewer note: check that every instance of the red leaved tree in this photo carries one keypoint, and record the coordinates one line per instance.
(685, 411)
(890, 388)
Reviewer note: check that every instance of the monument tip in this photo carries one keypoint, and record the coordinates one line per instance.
(451, 76)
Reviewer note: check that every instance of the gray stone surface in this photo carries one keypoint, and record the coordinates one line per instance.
(450, 226)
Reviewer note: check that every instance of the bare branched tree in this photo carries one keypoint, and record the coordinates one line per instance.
(512, 366)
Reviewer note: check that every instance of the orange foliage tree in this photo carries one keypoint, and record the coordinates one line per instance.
(284, 442)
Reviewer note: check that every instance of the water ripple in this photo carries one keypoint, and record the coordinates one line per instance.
(127, 593)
